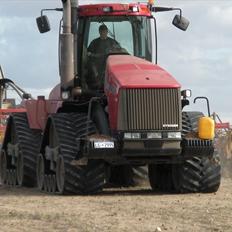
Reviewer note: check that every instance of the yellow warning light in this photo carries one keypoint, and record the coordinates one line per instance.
(151, 2)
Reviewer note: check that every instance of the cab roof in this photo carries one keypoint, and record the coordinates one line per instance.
(114, 9)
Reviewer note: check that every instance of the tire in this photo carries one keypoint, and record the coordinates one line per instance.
(187, 175)
(198, 174)
(83, 180)
(211, 174)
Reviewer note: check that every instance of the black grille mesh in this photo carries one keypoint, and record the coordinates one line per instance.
(149, 109)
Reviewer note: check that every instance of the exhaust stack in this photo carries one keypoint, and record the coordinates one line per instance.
(67, 73)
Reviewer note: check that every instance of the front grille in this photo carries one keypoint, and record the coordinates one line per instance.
(149, 109)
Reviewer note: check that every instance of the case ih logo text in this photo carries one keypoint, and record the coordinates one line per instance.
(170, 125)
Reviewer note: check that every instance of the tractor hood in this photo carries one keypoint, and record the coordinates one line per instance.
(125, 71)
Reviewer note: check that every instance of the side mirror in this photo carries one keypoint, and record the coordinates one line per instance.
(180, 22)
(43, 24)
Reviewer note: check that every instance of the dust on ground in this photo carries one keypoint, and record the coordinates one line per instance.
(129, 209)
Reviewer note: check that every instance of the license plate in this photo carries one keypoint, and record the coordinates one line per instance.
(98, 145)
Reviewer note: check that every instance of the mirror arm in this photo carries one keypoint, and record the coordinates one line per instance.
(163, 9)
(178, 10)
(56, 9)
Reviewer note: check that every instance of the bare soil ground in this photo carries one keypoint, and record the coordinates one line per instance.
(131, 209)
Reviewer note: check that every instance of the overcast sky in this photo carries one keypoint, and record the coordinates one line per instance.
(200, 58)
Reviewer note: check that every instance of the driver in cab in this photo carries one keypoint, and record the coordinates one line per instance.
(102, 45)
(97, 53)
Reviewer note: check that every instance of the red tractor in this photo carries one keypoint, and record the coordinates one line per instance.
(112, 111)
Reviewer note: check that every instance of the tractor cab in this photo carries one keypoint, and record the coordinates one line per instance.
(129, 35)
(132, 27)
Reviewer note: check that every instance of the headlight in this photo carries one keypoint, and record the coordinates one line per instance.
(186, 93)
(154, 135)
(174, 135)
(132, 136)
(135, 135)
(127, 136)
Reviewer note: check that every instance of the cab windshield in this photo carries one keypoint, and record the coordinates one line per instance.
(131, 33)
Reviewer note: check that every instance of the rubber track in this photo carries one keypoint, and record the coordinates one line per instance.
(199, 174)
(29, 144)
(87, 179)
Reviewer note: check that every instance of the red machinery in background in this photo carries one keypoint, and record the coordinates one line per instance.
(10, 94)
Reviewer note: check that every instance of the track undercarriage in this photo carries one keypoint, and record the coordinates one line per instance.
(28, 158)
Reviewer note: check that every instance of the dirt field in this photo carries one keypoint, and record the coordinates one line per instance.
(116, 210)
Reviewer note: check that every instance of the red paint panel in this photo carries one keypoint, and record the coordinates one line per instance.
(132, 72)
(39, 110)
(118, 9)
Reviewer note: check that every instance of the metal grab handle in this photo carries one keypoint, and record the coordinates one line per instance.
(207, 100)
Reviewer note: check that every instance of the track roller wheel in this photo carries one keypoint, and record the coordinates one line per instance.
(14, 178)
(60, 174)
(53, 183)
(10, 177)
(50, 184)
(46, 183)
(40, 172)
(3, 167)
(20, 169)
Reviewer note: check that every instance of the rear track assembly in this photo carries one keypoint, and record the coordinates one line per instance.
(18, 156)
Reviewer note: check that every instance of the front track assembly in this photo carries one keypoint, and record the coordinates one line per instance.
(55, 169)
